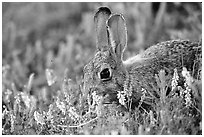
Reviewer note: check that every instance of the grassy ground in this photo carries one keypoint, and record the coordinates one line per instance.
(46, 45)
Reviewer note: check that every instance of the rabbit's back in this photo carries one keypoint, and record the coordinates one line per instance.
(173, 48)
(171, 54)
(164, 56)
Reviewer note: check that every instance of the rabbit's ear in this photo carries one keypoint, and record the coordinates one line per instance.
(100, 19)
(118, 34)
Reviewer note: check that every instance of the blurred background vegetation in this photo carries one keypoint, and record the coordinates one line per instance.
(59, 39)
(61, 36)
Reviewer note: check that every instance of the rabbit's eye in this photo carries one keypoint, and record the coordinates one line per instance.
(105, 74)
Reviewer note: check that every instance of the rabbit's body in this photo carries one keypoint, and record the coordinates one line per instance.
(163, 56)
(107, 73)
(167, 56)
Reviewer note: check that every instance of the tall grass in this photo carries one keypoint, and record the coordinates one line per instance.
(46, 45)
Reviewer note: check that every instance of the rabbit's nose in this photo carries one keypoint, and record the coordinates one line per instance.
(107, 99)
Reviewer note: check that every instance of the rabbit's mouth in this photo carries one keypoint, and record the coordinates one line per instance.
(110, 98)
(107, 97)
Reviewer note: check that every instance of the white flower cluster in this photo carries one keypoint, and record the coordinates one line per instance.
(187, 76)
(73, 114)
(97, 101)
(39, 118)
(121, 96)
(5, 112)
(61, 106)
(187, 91)
(187, 96)
(175, 79)
(96, 98)
(127, 91)
(49, 115)
(13, 118)
(144, 91)
(26, 99)
(17, 98)
(50, 76)
(42, 118)
(7, 95)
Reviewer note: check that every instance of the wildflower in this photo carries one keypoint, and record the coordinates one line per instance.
(96, 98)
(181, 91)
(17, 99)
(187, 91)
(73, 114)
(50, 76)
(12, 118)
(7, 95)
(61, 106)
(5, 112)
(144, 91)
(127, 91)
(187, 76)
(121, 97)
(188, 99)
(128, 86)
(187, 95)
(26, 99)
(49, 114)
(39, 118)
(175, 79)
(96, 105)
(17, 105)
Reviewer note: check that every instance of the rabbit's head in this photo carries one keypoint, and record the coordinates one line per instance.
(105, 73)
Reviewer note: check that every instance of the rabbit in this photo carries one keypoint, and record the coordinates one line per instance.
(107, 73)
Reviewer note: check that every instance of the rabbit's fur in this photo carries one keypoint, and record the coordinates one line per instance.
(138, 72)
